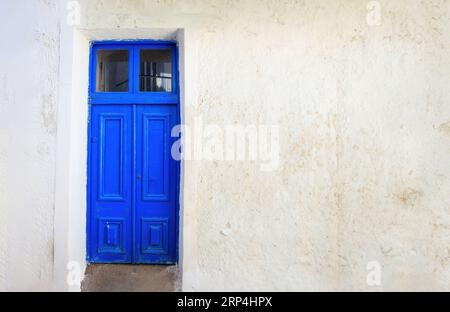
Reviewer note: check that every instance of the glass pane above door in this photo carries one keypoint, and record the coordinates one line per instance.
(112, 71)
(155, 70)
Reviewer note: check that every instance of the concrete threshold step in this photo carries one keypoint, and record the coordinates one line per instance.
(129, 278)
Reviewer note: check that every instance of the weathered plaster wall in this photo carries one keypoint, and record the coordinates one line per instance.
(364, 124)
(393, 148)
(28, 96)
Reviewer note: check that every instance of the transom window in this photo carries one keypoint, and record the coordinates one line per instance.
(128, 71)
(112, 71)
(155, 71)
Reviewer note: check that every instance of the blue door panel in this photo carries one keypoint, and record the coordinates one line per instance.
(133, 222)
(110, 185)
(155, 217)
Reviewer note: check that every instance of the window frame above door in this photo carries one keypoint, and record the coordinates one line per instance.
(134, 95)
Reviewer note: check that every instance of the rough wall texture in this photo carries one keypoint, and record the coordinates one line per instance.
(28, 91)
(364, 120)
(364, 124)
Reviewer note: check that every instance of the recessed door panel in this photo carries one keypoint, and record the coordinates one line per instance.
(155, 158)
(111, 170)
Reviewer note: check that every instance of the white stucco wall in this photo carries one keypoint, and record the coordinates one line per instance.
(29, 62)
(364, 125)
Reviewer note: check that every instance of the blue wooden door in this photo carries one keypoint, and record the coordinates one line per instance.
(111, 228)
(133, 181)
(155, 186)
